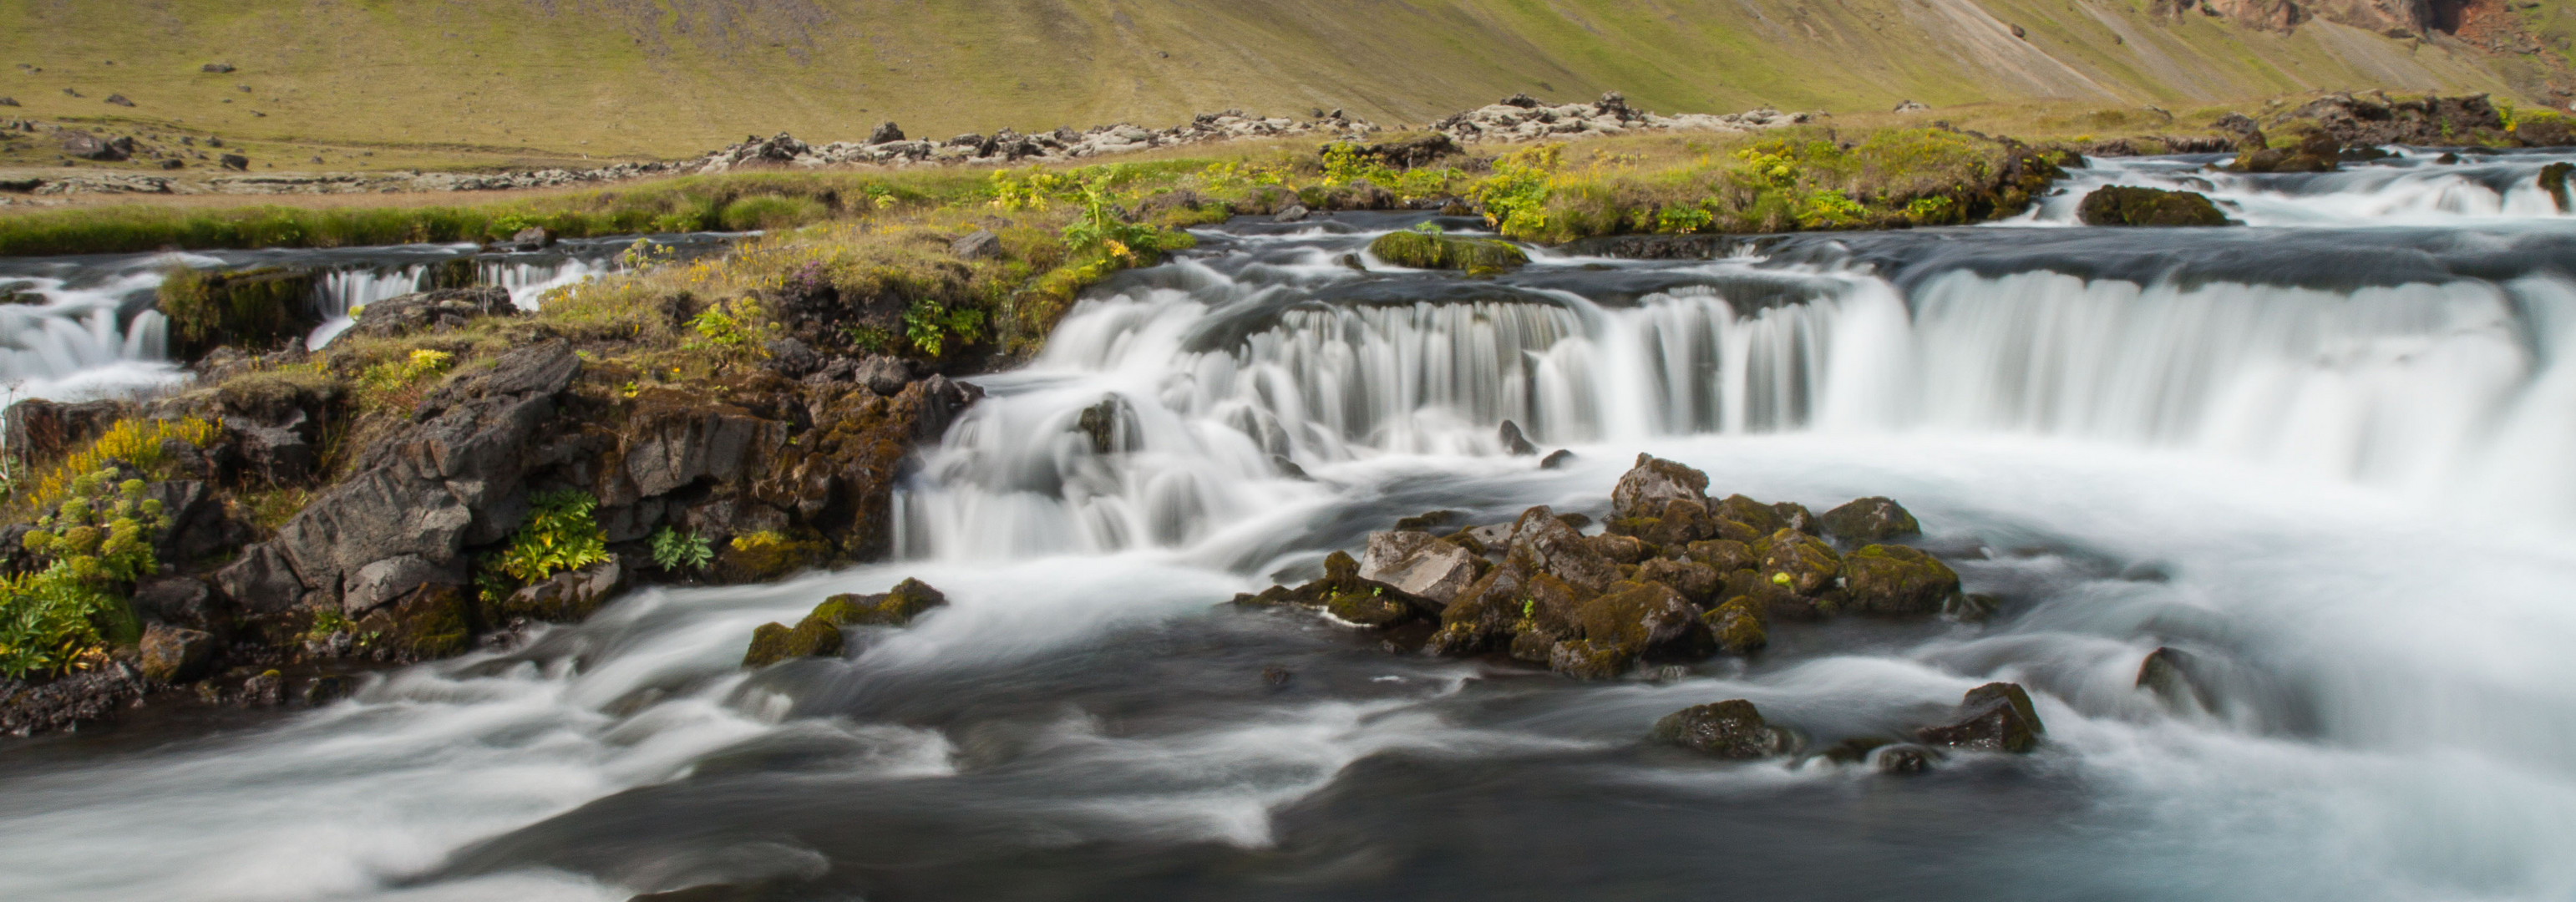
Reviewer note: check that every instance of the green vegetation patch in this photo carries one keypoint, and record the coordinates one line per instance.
(1425, 250)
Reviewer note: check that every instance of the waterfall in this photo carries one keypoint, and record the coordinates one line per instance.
(2412, 186)
(2451, 391)
(527, 279)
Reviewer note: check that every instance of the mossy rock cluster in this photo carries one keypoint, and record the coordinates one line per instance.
(1424, 250)
(819, 633)
(253, 309)
(1675, 577)
(2121, 205)
(765, 556)
(2311, 151)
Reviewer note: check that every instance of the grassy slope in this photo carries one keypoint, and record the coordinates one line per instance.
(625, 78)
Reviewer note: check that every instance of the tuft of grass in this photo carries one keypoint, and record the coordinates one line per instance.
(137, 443)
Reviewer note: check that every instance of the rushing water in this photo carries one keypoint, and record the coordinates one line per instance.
(2325, 454)
(87, 328)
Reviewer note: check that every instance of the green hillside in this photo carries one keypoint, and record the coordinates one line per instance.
(625, 78)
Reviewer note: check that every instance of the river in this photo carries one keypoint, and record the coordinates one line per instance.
(2325, 453)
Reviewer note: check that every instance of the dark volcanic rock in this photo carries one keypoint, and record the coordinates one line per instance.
(1731, 729)
(2119, 205)
(1995, 717)
(1871, 519)
(427, 310)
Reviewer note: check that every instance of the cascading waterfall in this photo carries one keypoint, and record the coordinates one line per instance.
(2410, 187)
(527, 280)
(2326, 463)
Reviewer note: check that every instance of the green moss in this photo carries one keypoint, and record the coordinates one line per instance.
(2553, 179)
(1421, 250)
(764, 556)
(1897, 580)
(253, 309)
(775, 642)
(2119, 205)
(1739, 625)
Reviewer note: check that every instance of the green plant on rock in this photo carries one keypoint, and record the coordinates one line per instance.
(738, 328)
(508, 224)
(561, 534)
(1033, 188)
(929, 325)
(386, 383)
(1683, 219)
(1099, 230)
(95, 545)
(675, 549)
(1515, 196)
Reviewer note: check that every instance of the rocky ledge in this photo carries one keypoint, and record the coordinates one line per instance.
(395, 547)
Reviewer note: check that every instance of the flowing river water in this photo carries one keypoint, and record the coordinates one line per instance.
(2326, 453)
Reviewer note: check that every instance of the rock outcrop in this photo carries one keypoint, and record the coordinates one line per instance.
(1729, 729)
(1521, 117)
(2121, 205)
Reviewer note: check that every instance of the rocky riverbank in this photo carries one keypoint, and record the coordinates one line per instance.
(1516, 118)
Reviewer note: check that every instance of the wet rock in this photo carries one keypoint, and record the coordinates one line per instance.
(894, 607)
(323, 690)
(2168, 673)
(382, 582)
(268, 689)
(431, 311)
(1740, 626)
(1724, 555)
(1518, 445)
(1622, 549)
(1295, 213)
(1798, 562)
(1558, 458)
(1645, 489)
(1793, 515)
(1872, 519)
(1110, 424)
(1902, 760)
(1419, 250)
(1430, 568)
(1625, 625)
(1732, 729)
(1555, 548)
(2553, 179)
(1897, 580)
(1515, 607)
(1995, 717)
(174, 654)
(1696, 581)
(1744, 519)
(2119, 205)
(775, 642)
(82, 696)
(1426, 520)
(432, 621)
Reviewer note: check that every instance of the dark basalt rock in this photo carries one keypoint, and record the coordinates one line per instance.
(1514, 443)
(174, 654)
(2120, 205)
(431, 310)
(1646, 488)
(1872, 519)
(1732, 729)
(2169, 674)
(38, 429)
(82, 696)
(1798, 562)
(1995, 717)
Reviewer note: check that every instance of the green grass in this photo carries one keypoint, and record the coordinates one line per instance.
(489, 83)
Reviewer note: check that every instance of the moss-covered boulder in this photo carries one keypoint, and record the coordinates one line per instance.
(1731, 729)
(1515, 608)
(896, 607)
(1694, 580)
(2310, 150)
(775, 642)
(1896, 580)
(1740, 625)
(1421, 250)
(1351, 598)
(1646, 488)
(819, 633)
(252, 309)
(2121, 205)
(1623, 626)
(1995, 717)
(1798, 562)
(1872, 519)
(2553, 179)
(1724, 555)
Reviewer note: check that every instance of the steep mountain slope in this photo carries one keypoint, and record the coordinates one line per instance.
(663, 77)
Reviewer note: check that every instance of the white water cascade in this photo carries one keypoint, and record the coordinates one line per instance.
(527, 280)
(2411, 187)
(2452, 392)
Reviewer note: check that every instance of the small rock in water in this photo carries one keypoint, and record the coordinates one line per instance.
(1294, 213)
(1871, 519)
(327, 689)
(1515, 443)
(2167, 672)
(1995, 717)
(1277, 676)
(1731, 729)
(1558, 458)
(1904, 759)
